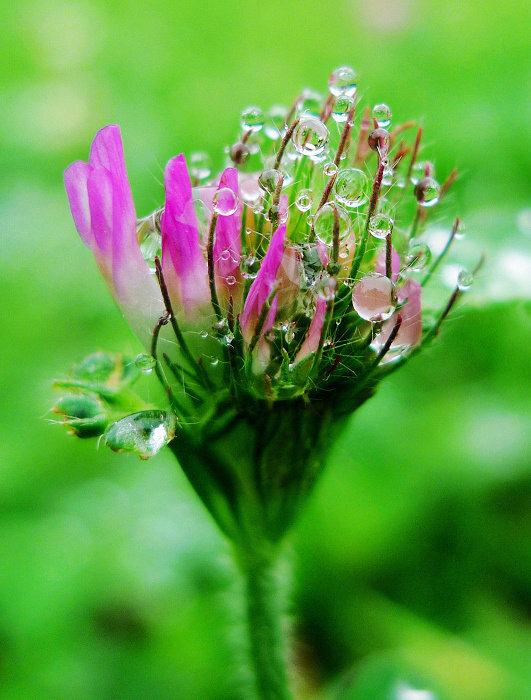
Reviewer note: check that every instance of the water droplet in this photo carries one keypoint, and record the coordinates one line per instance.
(269, 179)
(343, 81)
(151, 246)
(379, 140)
(225, 201)
(200, 166)
(252, 119)
(276, 215)
(427, 192)
(230, 280)
(419, 169)
(214, 362)
(225, 255)
(275, 124)
(381, 225)
(388, 177)
(249, 190)
(351, 187)
(310, 136)
(304, 200)
(250, 266)
(239, 153)
(372, 297)
(145, 363)
(461, 231)
(419, 255)
(309, 103)
(204, 334)
(330, 169)
(324, 223)
(465, 279)
(382, 114)
(342, 107)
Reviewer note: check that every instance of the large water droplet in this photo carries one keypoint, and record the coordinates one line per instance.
(310, 136)
(372, 297)
(382, 114)
(325, 219)
(380, 225)
(304, 200)
(343, 81)
(145, 363)
(342, 107)
(427, 192)
(225, 202)
(200, 166)
(269, 179)
(230, 280)
(143, 433)
(351, 187)
(252, 119)
(465, 279)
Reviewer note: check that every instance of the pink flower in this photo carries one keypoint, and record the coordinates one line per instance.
(104, 215)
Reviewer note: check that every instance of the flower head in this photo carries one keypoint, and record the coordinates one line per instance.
(290, 283)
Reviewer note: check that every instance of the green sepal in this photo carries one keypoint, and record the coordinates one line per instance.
(84, 414)
(105, 374)
(143, 433)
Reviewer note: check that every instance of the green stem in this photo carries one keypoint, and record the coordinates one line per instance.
(264, 617)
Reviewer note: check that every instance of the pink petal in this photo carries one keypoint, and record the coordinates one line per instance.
(107, 152)
(183, 263)
(262, 287)
(227, 248)
(395, 264)
(75, 178)
(410, 331)
(100, 197)
(313, 336)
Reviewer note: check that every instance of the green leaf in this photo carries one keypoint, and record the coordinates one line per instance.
(143, 433)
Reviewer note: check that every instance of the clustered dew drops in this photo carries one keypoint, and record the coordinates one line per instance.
(346, 187)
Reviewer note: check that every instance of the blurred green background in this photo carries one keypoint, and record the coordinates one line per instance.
(412, 561)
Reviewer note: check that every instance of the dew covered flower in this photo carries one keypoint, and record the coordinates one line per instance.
(271, 297)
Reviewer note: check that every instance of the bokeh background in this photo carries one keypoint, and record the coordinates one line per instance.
(412, 561)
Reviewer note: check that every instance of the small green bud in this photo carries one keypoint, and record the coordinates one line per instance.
(84, 414)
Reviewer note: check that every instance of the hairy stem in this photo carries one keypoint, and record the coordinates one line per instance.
(264, 617)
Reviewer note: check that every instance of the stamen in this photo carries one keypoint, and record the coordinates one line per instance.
(415, 153)
(344, 135)
(284, 143)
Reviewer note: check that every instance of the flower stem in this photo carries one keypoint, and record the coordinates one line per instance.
(264, 616)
